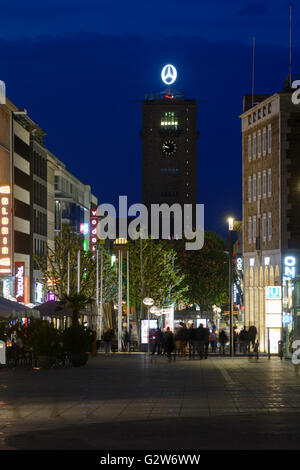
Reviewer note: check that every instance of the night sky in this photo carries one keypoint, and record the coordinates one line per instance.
(81, 69)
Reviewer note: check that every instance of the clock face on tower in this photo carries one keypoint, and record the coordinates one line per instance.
(169, 148)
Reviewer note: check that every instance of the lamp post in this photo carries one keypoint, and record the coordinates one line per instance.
(230, 228)
(148, 302)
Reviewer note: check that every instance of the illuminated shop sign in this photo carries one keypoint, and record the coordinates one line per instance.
(169, 74)
(51, 297)
(6, 288)
(39, 292)
(287, 318)
(273, 292)
(289, 269)
(84, 228)
(5, 224)
(239, 263)
(93, 229)
(20, 281)
(236, 297)
(144, 329)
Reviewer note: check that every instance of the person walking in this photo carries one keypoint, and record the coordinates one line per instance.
(213, 341)
(200, 340)
(192, 339)
(156, 342)
(252, 335)
(244, 340)
(206, 341)
(223, 338)
(125, 339)
(169, 343)
(108, 336)
(183, 338)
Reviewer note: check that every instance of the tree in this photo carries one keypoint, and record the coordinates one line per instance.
(76, 303)
(205, 270)
(54, 268)
(153, 273)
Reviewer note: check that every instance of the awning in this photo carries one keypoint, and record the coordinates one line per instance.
(10, 310)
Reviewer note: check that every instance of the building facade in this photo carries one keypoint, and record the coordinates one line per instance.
(37, 195)
(271, 205)
(73, 201)
(169, 149)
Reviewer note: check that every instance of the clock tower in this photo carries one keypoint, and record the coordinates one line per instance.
(169, 148)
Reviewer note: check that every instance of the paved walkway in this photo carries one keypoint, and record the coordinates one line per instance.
(134, 402)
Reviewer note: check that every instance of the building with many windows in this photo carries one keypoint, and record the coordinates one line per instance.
(37, 195)
(271, 207)
(73, 200)
(169, 147)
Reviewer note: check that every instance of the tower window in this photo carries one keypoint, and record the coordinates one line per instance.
(169, 171)
(169, 120)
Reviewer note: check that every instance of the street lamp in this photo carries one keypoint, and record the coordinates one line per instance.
(148, 302)
(230, 228)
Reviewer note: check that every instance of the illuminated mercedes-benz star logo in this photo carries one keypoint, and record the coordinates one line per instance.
(169, 74)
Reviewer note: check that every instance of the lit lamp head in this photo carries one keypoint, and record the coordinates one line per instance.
(155, 310)
(148, 301)
(230, 223)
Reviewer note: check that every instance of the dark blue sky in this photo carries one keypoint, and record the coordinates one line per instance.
(81, 68)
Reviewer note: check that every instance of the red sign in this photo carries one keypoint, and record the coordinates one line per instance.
(20, 281)
(93, 229)
(5, 229)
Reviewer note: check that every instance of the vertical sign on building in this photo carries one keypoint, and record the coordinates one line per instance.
(5, 230)
(93, 229)
(20, 281)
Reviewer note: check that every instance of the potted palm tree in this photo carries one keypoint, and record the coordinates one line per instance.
(77, 340)
(45, 341)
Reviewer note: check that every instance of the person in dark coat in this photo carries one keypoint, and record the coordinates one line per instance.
(201, 334)
(244, 340)
(206, 341)
(157, 342)
(192, 339)
(222, 340)
(183, 338)
(108, 336)
(169, 343)
(252, 335)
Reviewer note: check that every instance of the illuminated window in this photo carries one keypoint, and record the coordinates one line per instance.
(249, 188)
(250, 229)
(249, 148)
(254, 146)
(169, 120)
(120, 241)
(269, 182)
(270, 226)
(254, 188)
(264, 184)
(269, 138)
(264, 227)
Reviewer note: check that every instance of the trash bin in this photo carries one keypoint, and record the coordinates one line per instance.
(2, 352)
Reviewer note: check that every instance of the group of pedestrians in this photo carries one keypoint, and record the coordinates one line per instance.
(109, 337)
(187, 341)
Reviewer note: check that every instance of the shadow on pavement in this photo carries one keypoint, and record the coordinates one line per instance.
(255, 432)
